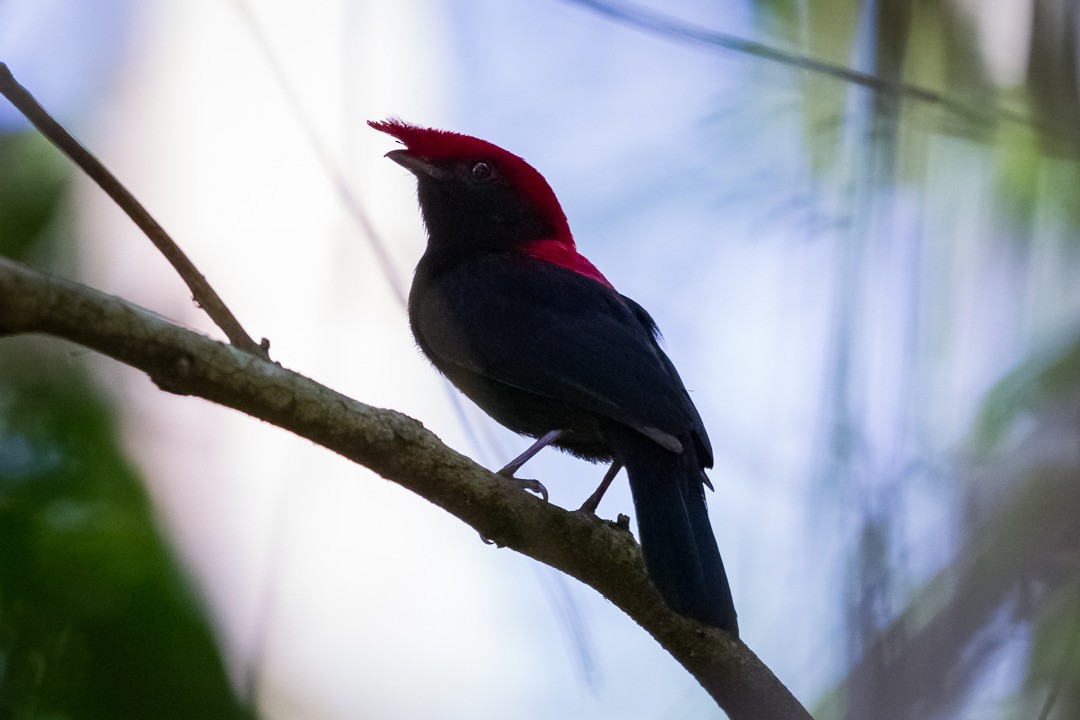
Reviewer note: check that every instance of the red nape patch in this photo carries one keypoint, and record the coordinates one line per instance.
(446, 146)
(559, 253)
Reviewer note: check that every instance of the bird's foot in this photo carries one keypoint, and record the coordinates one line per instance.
(620, 523)
(591, 503)
(533, 486)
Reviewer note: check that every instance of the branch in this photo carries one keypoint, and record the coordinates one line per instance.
(669, 27)
(600, 554)
(201, 292)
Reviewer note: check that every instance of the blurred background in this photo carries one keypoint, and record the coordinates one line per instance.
(856, 222)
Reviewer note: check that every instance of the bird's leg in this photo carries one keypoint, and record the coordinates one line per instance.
(590, 505)
(542, 442)
(514, 465)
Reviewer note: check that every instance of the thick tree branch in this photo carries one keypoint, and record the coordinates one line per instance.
(201, 291)
(600, 554)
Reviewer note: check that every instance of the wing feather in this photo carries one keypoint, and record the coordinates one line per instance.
(551, 332)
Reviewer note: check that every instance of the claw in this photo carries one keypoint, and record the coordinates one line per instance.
(514, 465)
(531, 485)
(534, 486)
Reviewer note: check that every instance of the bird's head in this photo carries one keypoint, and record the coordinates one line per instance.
(473, 192)
(477, 197)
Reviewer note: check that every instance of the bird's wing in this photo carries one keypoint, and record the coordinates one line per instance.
(701, 437)
(551, 332)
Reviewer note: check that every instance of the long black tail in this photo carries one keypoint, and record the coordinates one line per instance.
(676, 538)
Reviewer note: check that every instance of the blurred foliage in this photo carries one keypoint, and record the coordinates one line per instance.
(1053, 77)
(934, 46)
(32, 183)
(1008, 595)
(1042, 380)
(1018, 174)
(97, 619)
(1055, 663)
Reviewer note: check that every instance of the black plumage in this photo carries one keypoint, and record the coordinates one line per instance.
(504, 306)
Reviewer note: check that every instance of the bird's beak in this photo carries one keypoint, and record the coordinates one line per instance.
(417, 166)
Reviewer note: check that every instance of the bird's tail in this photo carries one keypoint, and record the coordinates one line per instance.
(677, 540)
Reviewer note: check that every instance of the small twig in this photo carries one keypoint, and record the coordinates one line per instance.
(669, 27)
(353, 206)
(201, 292)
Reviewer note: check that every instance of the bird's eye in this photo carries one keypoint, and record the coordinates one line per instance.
(480, 171)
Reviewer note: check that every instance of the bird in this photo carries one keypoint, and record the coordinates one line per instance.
(507, 309)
